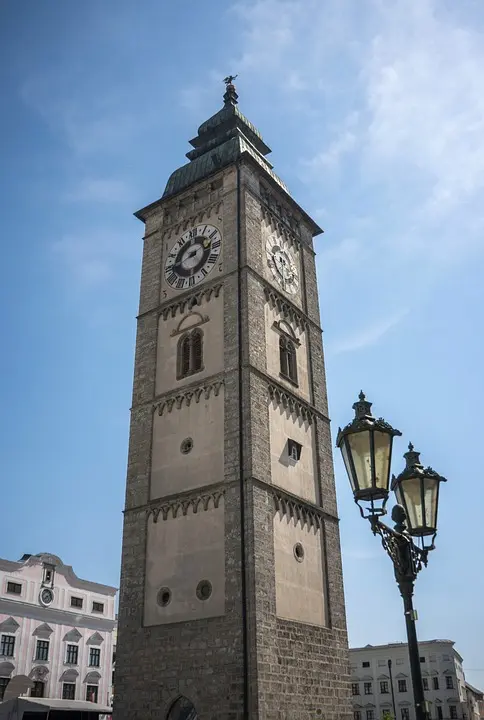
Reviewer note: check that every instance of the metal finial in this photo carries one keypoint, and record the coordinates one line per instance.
(230, 95)
(362, 396)
(410, 446)
(412, 458)
(362, 408)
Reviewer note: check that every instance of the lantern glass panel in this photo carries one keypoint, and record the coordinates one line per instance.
(383, 444)
(409, 495)
(344, 452)
(360, 451)
(431, 489)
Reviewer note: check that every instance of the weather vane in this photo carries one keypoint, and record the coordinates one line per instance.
(229, 79)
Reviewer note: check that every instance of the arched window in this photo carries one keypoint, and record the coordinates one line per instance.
(190, 354)
(182, 709)
(288, 360)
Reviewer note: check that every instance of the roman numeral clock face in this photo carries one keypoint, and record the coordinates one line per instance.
(193, 256)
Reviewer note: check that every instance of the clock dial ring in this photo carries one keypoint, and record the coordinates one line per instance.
(282, 266)
(193, 256)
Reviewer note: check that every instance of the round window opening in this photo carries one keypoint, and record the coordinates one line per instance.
(204, 590)
(186, 446)
(299, 552)
(164, 597)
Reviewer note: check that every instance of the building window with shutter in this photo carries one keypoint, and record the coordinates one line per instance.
(190, 354)
(288, 359)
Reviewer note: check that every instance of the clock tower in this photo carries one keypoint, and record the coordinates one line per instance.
(231, 598)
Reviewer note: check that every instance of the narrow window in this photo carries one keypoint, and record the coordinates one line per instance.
(283, 357)
(384, 687)
(402, 686)
(190, 354)
(449, 683)
(370, 715)
(7, 645)
(95, 657)
(425, 683)
(72, 655)
(291, 362)
(365, 663)
(453, 712)
(435, 681)
(405, 713)
(294, 449)
(367, 688)
(357, 715)
(69, 691)
(38, 689)
(355, 688)
(42, 651)
(439, 713)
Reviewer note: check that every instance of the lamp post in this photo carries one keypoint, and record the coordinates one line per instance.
(366, 447)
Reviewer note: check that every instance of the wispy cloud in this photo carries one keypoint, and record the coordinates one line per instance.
(93, 258)
(99, 190)
(364, 337)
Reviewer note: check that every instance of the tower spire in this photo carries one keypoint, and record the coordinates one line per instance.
(230, 95)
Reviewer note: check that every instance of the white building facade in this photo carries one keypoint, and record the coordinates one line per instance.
(381, 681)
(56, 629)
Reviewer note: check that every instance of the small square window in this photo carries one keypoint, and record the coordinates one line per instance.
(365, 663)
(98, 607)
(294, 449)
(435, 683)
(422, 659)
(14, 588)
(433, 658)
(382, 663)
(400, 661)
(445, 657)
(76, 602)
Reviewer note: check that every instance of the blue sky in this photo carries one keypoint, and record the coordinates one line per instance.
(375, 114)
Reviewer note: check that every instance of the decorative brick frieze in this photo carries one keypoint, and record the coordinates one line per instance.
(186, 221)
(287, 309)
(180, 506)
(205, 294)
(185, 397)
(290, 402)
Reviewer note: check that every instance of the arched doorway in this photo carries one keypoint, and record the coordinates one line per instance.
(182, 709)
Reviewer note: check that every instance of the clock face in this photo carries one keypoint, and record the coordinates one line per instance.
(193, 256)
(282, 265)
(46, 596)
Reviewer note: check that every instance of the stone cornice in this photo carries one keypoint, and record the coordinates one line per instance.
(291, 402)
(51, 615)
(199, 499)
(186, 395)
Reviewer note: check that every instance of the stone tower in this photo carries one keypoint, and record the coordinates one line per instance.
(231, 599)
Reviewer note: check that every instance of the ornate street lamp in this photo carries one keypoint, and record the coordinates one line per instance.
(366, 447)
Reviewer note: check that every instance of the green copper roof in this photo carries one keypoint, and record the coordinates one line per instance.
(221, 140)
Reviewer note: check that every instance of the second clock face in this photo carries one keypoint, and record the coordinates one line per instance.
(193, 256)
(282, 266)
